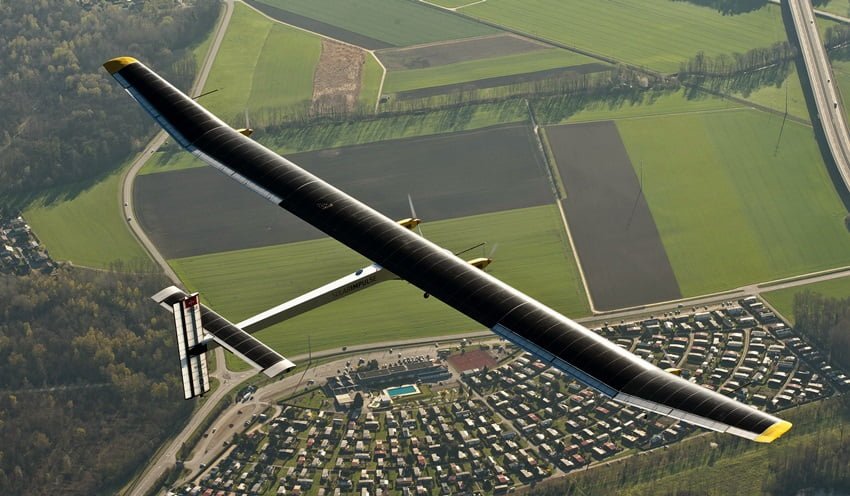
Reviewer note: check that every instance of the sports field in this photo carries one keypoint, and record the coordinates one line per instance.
(88, 229)
(260, 64)
(395, 22)
(531, 255)
(447, 175)
(461, 72)
(658, 34)
(732, 207)
(783, 299)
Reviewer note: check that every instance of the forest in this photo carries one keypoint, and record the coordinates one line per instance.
(826, 321)
(59, 125)
(88, 380)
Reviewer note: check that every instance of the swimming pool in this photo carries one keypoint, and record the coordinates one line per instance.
(406, 390)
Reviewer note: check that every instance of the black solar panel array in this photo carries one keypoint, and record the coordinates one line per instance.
(235, 338)
(429, 267)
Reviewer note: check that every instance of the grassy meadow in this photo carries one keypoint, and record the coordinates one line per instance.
(473, 70)
(89, 229)
(731, 207)
(571, 109)
(532, 255)
(260, 64)
(397, 22)
(370, 81)
(783, 299)
(658, 34)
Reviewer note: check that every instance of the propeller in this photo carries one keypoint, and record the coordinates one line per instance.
(247, 131)
(413, 215)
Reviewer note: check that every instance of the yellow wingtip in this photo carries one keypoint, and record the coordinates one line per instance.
(118, 63)
(773, 432)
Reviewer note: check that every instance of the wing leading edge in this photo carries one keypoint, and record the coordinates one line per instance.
(550, 336)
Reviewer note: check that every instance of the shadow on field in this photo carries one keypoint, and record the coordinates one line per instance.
(729, 7)
(743, 83)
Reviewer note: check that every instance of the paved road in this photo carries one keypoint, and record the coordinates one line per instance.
(130, 175)
(164, 459)
(830, 109)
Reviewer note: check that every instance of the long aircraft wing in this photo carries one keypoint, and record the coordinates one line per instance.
(553, 338)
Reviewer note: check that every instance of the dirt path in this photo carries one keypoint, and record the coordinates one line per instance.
(336, 83)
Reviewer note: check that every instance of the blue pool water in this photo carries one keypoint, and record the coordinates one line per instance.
(398, 391)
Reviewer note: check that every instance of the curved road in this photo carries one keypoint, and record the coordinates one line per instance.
(830, 109)
(130, 176)
(153, 471)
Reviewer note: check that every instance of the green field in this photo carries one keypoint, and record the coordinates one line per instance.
(89, 229)
(370, 82)
(451, 3)
(775, 96)
(839, 7)
(783, 299)
(260, 65)
(332, 135)
(569, 109)
(472, 70)
(841, 70)
(532, 255)
(658, 34)
(731, 208)
(397, 22)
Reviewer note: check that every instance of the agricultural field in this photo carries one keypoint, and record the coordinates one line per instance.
(389, 22)
(775, 94)
(531, 255)
(783, 299)
(838, 7)
(657, 34)
(638, 105)
(260, 65)
(473, 70)
(448, 176)
(724, 194)
(372, 74)
(455, 51)
(618, 245)
(323, 135)
(452, 4)
(88, 228)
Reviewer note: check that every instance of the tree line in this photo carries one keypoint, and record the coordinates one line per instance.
(826, 321)
(89, 385)
(64, 119)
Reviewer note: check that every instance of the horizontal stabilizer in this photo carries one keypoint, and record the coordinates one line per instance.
(232, 338)
(190, 333)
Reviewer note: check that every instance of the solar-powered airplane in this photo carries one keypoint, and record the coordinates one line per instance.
(398, 252)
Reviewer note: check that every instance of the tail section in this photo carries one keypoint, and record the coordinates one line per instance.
(190, 346)
(198, 328)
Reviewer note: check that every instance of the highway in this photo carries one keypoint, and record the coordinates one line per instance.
(830, 111)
